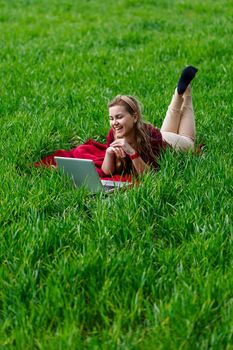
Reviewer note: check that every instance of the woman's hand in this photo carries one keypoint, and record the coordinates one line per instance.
(123, 145)
(117, 151)
(138, 163)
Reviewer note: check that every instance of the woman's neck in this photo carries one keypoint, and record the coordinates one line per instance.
(131, 139)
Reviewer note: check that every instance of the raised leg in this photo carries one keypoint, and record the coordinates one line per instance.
(171, 121)
(187, 120)
(178, 127)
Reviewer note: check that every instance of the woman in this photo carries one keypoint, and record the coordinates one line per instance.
(132, 145)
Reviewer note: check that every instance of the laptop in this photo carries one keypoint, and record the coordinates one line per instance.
(83, 173)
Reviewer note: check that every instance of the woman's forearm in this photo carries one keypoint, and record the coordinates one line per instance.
(137, 162)
(108, 165)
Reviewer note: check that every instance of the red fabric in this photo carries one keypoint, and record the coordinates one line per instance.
(96, 151)
(89, 150)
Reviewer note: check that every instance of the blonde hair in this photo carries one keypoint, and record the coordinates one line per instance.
(133, 107)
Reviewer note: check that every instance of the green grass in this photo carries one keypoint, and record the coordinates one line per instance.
(150, 268)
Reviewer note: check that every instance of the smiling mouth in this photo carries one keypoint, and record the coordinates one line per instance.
(118, 129)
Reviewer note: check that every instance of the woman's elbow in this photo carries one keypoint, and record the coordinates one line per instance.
(106, 171)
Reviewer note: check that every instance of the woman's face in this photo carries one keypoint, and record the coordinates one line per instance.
(122, 122)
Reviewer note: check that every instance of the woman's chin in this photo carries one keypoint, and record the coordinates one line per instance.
(120, 134)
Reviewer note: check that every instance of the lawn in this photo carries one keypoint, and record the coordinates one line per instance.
(148, 268)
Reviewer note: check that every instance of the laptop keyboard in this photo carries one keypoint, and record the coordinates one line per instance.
(107, 187)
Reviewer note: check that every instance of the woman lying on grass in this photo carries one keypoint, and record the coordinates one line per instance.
(132, 145)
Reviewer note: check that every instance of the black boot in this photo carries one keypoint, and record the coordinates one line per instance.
(186, 77)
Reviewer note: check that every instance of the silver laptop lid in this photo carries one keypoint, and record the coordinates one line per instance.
(82, 171)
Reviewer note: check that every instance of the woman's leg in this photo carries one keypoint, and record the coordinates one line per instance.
(171, 121)
(187, 120)
(178, 128)
(178, 120)
(178, 142)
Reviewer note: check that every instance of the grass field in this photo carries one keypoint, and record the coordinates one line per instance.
(150, 268)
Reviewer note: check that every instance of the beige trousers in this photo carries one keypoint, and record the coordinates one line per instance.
(178, 127)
